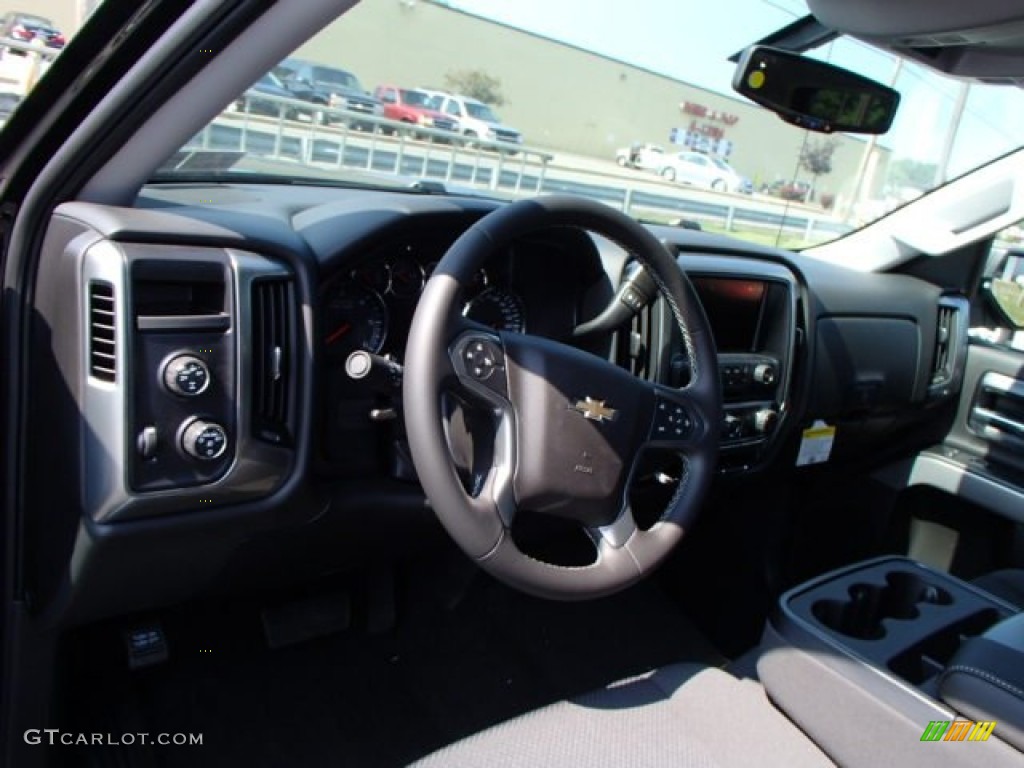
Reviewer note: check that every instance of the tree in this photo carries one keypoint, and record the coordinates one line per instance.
(476, 84)
(816, 158)
(906, 172)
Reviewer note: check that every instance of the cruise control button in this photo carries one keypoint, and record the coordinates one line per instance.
(671, 420)
(482, 358)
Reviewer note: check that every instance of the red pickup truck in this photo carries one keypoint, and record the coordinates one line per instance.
(409, 105)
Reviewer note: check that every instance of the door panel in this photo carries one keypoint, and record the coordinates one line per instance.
(981, 461)
(990, 420)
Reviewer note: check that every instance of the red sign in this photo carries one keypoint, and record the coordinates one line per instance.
(699, 110)
(707, 129)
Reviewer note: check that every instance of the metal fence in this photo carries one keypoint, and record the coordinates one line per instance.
(321, 136)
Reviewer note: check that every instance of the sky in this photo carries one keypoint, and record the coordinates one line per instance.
(669, 37)
(660, 36)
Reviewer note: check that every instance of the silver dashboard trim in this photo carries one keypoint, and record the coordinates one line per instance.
(258, 469)
(946, 473)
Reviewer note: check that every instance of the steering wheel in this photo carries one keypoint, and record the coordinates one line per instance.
(569, 426)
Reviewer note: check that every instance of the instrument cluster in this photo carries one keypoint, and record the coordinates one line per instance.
(370, 306)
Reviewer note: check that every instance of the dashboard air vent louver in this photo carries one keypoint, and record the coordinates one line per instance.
(950, 345)
(272, 366)
(102, 332)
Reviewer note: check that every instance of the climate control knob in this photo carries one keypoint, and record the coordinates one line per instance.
(186, 375)
(764, 373)
(204, 440)
(765, 421)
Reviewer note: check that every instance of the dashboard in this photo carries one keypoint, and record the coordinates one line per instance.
(203, 360)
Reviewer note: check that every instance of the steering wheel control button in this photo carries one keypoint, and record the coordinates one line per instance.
(482, 358)
(204, 440)
(632, 298)
(186, 376)
(671, 421)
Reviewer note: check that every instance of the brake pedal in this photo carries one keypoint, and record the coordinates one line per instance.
(147, 645)
(306, 619)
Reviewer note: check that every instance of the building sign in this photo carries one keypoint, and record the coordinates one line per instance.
(713, 115)
(706, 131)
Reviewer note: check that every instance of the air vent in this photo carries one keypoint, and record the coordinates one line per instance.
(102, 332)
(950, 346)
(273, 314)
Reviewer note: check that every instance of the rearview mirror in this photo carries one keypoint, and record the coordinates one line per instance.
(814, 94)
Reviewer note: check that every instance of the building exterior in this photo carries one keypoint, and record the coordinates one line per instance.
(563, 98)
(566, 99)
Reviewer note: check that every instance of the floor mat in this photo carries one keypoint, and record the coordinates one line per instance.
(357, 699)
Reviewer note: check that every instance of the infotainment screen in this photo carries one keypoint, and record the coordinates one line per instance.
(733, 307)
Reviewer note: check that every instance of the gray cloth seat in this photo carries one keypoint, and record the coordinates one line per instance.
(1007, 584)
(683, 715)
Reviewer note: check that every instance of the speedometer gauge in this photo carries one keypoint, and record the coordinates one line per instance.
(498, 308)
(354, 318)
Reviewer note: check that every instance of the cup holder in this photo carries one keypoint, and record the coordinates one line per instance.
(862, 614)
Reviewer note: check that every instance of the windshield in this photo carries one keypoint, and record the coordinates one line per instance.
(271, 79)
(481, 112)
(326, 76)
(415, 99)
(587, 96)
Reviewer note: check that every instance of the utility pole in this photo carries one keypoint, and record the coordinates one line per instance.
(869, 148)
(942, 169)
(84, 9)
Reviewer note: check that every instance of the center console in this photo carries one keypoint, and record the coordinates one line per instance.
(753, 320)
(857, 658)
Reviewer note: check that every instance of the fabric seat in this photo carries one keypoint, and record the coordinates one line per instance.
(681, 715)
(1007, 584)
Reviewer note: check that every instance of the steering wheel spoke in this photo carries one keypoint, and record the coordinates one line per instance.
(477, 359)
(618, 533)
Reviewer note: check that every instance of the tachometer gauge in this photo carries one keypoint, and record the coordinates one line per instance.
(406, 277)
(498, 308)
(354, 318)
(375, 275)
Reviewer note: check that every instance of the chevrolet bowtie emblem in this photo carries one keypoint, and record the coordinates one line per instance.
(595, 410)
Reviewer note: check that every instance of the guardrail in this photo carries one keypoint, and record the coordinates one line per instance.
(328, 138)
(339, 138)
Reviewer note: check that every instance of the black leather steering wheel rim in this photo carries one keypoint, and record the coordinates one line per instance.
(533, 383)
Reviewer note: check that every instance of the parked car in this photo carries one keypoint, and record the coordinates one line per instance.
(411, 105)
(701, 171)
(28, 27)
(9, 101)
(475, 119)
(643, 157)
(272, 85)
(799, 191)
(343, 89)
